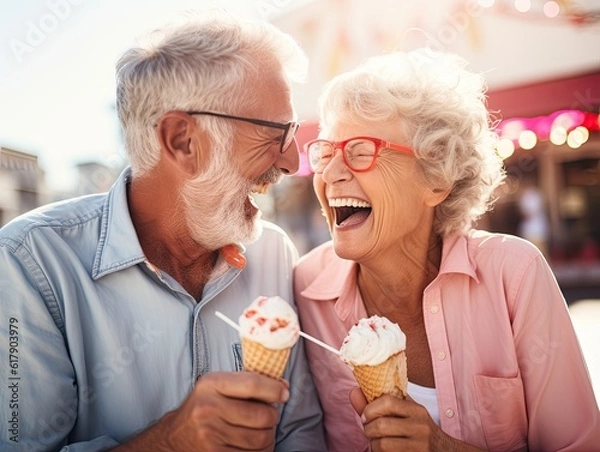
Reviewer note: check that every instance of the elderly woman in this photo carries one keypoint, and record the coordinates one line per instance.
(404, 165)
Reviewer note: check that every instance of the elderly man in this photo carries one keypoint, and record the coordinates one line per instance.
(108, 301)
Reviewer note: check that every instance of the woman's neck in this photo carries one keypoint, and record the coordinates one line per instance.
(393, 286)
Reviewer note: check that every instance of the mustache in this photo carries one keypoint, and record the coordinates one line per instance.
(271, 176)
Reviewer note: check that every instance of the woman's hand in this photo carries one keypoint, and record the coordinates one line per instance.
(393, 424)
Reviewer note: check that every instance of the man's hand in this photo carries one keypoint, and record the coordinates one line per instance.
(225, 411)
(392, 424)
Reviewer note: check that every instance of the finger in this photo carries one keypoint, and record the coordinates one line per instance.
(239, 438)
(218, 435)
(413, 421)
(249, 414)
(214, 421)
(357, 400)
(206, 403)
(388, 405)
(394, 444)
(245, 385)
(388, 426)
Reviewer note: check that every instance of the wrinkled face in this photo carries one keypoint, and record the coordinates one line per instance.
(384, 209)
(254, 163)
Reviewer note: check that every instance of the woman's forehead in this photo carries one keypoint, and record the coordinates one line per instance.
(340, 131)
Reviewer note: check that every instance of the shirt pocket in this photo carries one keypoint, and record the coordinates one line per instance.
(238, 362)
(503, 413)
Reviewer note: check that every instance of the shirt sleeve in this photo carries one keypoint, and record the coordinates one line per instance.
(301, 425)
(102, 443)
(39, 398)
(561, 407)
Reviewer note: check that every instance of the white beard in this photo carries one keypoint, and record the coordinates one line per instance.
(215, 210)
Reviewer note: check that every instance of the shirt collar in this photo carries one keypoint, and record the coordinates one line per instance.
(118, 247)
(333, 279)
(337, 279)
(456, 257)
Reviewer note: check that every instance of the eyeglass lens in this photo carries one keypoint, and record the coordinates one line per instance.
(358, 154)
(288, 137)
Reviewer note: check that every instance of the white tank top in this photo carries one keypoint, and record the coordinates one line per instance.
(426, 397)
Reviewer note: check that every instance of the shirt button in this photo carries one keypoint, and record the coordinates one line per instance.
(441, 356)
(449, 412)
(434, 309)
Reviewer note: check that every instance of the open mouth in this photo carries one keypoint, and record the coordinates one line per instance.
(260, 188)
(350, 211)
(251, 207)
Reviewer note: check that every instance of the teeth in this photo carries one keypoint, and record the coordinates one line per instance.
(348, 202)
(260, 188)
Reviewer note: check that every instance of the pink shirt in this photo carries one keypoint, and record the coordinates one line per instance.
(508, 368)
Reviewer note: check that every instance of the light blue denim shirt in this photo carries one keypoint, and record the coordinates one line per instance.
(100, 345)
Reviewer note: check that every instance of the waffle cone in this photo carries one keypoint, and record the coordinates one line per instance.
(262, 360)
(389, 377)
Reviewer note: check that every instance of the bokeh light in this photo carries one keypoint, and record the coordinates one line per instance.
(551, 9)
(577, 137)
(558, 135)
(522, 5)
(505, 148)
(527, 139)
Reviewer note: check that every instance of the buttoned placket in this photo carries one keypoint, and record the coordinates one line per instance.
(442, 364)
(200, 347)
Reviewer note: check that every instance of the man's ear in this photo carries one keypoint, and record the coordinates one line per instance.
(180, 141)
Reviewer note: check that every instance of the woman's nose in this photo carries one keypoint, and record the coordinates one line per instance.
(336, 169)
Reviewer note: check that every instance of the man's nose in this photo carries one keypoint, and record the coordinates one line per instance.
(289, 161)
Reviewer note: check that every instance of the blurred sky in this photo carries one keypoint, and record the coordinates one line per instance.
(57, 59)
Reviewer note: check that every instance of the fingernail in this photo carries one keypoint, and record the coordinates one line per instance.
(363, 418)
(285, 395)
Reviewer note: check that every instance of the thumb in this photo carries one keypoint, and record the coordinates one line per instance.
(357, 400)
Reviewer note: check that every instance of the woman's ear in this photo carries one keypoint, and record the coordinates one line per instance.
(436, 196)
(181, 142)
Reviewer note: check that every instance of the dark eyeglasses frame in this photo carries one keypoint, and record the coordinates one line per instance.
(290, 127)
(379, 144)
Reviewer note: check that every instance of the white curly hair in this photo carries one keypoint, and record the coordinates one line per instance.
(441, 111)
(197, 64)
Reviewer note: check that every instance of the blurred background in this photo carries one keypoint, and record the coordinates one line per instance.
(59, 135)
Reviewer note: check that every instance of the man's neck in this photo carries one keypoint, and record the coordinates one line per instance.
(164, 236)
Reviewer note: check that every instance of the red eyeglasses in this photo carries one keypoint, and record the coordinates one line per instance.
(359, 153)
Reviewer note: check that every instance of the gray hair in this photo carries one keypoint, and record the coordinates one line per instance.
(198, 65)
(440, 109)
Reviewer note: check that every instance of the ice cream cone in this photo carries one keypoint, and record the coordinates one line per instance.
(268, 330)
(375, 350)
(389, 377)
(257, 358)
